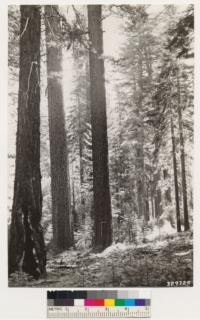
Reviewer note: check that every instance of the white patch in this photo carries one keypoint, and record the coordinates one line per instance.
(55, 75)
(180, 254)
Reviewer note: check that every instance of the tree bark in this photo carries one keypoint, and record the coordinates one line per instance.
(182, 151)
(140, 150)
(80, 136)
(60, 185)
(102, 201)
(175, 176)
(26, 246)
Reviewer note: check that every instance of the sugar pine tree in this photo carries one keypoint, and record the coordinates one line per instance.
(182, 154)
(26, 245)
(101, 189)
(60, 182)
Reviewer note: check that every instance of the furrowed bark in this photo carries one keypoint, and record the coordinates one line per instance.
(175, 176)
(26, 245)
(182, 151)
(60, 185)
(102, 201)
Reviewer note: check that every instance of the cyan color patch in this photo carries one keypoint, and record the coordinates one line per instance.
(129, 302)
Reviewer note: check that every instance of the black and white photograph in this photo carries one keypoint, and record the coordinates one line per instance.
(100, 145)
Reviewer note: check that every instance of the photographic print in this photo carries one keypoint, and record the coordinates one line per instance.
(100, 145)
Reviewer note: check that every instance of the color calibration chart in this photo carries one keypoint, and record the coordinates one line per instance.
(99, 304)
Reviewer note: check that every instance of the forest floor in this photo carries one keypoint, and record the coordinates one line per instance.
(166, 261)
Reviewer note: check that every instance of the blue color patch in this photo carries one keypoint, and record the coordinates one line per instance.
(129, 302)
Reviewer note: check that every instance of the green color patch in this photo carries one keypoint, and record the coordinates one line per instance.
(119, 302)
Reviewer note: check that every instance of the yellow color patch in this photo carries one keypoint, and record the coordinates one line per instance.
(109, 302)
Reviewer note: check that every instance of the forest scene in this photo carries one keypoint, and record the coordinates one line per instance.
(100, 124)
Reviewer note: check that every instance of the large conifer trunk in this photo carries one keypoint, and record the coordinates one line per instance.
(102, 201)
(26, 245)
(176, 189)
(140, 163)
(182, 151)
(60, 185)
